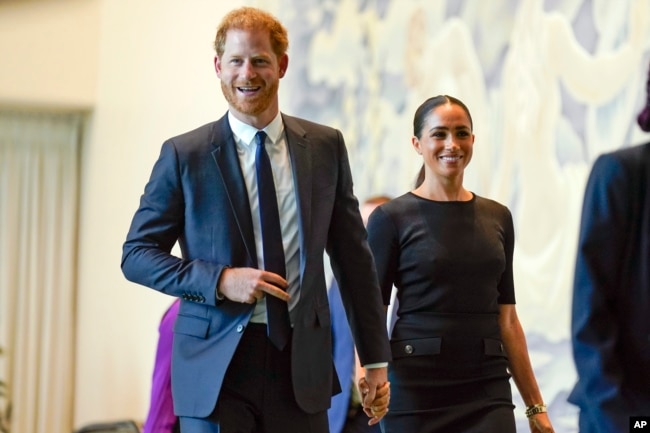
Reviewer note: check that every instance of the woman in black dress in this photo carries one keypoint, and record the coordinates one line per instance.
(449, 254)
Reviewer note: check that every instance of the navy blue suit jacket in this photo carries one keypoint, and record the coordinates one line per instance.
(611, 298)
(197, 196)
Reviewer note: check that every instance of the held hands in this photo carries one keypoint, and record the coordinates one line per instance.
(248, 285)
(375, 393)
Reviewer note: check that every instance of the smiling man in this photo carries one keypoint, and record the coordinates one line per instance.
(254, 199)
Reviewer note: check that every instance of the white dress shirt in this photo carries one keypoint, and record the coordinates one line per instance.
(276, 146)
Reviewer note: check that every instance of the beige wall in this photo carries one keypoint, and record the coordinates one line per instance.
(49, 52)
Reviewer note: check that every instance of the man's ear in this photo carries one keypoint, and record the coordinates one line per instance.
(217, 66)
(283, 64)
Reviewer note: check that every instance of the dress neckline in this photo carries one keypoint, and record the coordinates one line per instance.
(473, 199)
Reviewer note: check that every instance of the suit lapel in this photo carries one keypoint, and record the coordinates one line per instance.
(225, 156)
(227, 162)
(301, 164)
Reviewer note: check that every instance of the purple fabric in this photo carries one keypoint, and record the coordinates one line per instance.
(161, 418)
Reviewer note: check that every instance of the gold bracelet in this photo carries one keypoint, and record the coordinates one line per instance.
(535, 409)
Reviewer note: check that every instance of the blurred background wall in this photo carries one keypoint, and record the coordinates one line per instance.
(551, 84)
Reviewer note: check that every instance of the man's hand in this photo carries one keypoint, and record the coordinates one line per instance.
(248, 285)
(375, 393)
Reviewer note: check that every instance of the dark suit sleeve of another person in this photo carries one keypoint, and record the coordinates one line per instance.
(610, 297)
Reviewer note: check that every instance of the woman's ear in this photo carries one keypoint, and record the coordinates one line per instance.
(416, 144)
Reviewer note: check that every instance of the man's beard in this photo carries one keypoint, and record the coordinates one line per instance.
(252, 106)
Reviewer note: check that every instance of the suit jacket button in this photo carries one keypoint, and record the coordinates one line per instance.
(408, 349)
(240, 328)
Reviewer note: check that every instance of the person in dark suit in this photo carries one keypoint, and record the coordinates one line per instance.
(610, 325)
(233, 368)
(346, 414)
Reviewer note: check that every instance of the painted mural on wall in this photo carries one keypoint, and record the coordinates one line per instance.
(551, 84)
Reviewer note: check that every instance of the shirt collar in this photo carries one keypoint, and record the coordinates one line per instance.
(245, 133)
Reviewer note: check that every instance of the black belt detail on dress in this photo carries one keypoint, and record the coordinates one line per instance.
(435, 346)
(416, 347)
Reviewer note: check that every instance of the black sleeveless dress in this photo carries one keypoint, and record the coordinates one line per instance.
(451, 263)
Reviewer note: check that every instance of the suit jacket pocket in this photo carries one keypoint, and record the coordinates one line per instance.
(415, 347)
(494, 347)
(324, 318)
(319, 319)
(192, 326)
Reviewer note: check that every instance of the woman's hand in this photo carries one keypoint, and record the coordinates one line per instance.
(540, 423)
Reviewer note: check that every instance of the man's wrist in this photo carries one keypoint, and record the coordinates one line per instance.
(220, 296)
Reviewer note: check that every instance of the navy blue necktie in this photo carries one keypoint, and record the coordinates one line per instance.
(277, 312)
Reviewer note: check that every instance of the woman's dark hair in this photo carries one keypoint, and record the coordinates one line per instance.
(644, 116)
(423, 112)
(419, 180)
(427, 106)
